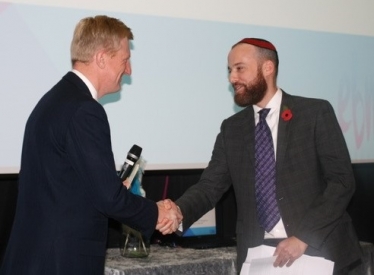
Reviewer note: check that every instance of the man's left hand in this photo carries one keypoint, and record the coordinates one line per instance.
(288, 251)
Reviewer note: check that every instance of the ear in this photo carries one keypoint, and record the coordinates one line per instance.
(268, 68)
(100, 59)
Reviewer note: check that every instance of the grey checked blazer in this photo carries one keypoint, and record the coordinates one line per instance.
(314, 180)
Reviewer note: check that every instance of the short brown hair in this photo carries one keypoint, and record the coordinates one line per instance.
(99, 32)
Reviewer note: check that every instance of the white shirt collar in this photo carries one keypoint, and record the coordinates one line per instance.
(273, 104)
(87, 82)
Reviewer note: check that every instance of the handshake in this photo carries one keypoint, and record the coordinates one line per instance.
(169, 214)
(169, 217)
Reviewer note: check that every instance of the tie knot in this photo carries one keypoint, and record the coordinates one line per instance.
(263, 113)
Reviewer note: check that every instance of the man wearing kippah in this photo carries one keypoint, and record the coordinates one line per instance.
(293, 198)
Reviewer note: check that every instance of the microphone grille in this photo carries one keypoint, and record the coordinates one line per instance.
(136, 150)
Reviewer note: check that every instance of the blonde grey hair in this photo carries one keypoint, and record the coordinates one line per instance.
(95, 33)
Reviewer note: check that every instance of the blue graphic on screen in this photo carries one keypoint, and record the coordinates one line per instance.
(206, 225)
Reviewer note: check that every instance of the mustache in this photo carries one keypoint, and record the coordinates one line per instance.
(237, 85)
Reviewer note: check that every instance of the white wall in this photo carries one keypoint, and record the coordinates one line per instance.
(178, 94)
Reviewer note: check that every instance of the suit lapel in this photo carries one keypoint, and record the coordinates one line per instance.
(248, 127)
(284, 129)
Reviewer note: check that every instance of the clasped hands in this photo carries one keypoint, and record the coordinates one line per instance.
(169, 214)
(169, 217)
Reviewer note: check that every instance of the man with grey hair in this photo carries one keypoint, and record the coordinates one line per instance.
(68, 183)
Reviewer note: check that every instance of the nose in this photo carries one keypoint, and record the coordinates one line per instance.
(128, 68)
(232, 77)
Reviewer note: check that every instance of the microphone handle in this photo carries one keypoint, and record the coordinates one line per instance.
(125, 171)
(127, 167)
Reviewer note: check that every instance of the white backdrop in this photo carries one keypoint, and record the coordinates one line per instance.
(178, 94)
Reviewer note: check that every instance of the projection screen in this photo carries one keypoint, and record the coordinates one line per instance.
(178, 94)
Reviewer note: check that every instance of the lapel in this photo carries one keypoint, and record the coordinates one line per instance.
(247, 125)
(248, 130)
(284, 128)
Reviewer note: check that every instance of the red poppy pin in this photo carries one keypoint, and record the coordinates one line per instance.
(286, 114)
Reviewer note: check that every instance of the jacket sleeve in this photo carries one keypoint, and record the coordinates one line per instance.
(214, 182)
(89, 146)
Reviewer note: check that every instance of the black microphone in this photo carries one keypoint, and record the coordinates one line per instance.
(132, 157)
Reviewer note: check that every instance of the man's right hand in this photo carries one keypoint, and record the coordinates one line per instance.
(169, 217)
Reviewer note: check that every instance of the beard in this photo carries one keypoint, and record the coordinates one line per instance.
(254, 91)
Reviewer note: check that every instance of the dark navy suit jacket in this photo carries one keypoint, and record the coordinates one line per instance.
(68, 187)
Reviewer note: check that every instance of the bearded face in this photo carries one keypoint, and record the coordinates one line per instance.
(250, 93)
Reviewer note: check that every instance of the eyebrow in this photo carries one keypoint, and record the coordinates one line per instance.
(236, 64)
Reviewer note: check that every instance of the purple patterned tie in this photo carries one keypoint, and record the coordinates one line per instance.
(267, 208)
